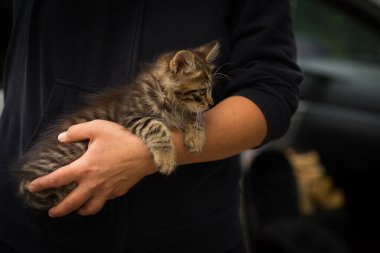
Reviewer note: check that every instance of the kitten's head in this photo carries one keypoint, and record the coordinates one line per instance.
(190, 76)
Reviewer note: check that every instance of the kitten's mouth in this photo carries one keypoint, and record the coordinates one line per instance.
(200, 108)
(204, 108)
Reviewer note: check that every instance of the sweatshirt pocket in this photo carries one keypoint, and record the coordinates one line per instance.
(75, 233)
(65, 97)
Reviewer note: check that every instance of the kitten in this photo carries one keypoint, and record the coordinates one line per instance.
(170, 93)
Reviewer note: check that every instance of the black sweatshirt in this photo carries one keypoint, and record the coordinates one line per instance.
(61, 50)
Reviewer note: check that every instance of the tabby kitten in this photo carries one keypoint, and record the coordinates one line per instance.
(170, 93)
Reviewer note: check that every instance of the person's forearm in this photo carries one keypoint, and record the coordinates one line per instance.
(234, 125)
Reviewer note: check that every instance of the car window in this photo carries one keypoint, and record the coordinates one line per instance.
(325, 31)
(339, 53)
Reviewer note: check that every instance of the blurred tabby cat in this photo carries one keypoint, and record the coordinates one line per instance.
(171, 92)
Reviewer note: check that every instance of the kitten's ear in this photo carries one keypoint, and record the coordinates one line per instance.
(210, 50)
(183, 61)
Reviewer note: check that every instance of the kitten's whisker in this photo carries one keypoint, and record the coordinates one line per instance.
(223, 76)
(223, 65)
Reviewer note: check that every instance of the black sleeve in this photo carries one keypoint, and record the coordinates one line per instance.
(263, 48)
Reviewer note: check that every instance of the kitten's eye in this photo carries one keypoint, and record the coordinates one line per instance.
(203, 91)
(190, 92)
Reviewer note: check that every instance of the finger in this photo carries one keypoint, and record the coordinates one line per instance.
(96, 203)
(92, 206)
(72, 202)
(62, 176)
(78, 132)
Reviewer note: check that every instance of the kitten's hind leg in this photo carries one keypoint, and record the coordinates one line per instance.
(42, 160)
(156, 136)
(44, 199)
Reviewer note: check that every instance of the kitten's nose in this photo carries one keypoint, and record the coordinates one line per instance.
(210, 103)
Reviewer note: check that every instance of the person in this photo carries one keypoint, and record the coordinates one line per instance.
(61, 50)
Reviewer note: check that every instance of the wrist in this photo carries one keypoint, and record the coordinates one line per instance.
(182, 155)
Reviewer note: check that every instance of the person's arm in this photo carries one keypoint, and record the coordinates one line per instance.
(234, 125)
(116, 159)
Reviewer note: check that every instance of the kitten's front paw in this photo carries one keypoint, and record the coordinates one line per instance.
(165, 162)
(194, 142)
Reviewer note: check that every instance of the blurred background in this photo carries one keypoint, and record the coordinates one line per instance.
(316, 189)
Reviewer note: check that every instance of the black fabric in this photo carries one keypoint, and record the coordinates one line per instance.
(6, 249)
(205, 241)
(298, 236)
(61, 50)
(273, 187)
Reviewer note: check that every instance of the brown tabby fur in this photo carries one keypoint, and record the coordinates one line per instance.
(170, 93)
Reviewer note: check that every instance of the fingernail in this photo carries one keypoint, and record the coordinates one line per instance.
(52, 215)
(31, 188)
(62, 136)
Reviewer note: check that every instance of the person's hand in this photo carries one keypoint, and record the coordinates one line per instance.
(115, 161)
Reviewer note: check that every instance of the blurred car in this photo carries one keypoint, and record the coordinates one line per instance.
(338, 45)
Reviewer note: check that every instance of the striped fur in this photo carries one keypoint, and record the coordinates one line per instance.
(170, 93)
